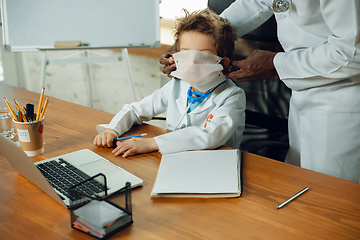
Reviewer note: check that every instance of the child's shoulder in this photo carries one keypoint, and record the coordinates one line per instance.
(228, 90)
(230, 86)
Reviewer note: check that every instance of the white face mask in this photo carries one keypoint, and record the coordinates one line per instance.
(201, 70)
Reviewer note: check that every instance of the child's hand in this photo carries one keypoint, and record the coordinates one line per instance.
(134, 146)
(106, 138)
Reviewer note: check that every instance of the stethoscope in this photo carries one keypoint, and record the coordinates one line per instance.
(280, 5)
(199, 97)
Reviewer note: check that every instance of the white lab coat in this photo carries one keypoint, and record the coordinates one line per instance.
(321, 64)
(218, 120)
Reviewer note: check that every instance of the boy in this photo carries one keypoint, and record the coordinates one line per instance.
(204, 109)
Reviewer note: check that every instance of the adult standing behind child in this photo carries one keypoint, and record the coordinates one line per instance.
(204, 109)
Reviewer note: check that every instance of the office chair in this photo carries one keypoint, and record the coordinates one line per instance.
(267, 101)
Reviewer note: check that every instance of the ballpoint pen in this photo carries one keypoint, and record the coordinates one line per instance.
(22, 115)
(292, 198)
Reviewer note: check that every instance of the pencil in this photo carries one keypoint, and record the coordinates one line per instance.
(12, 112)
(124, 138)
(40, 103)
(22, 115)
(43, 111)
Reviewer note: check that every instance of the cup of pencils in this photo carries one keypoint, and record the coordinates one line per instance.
(29, 125)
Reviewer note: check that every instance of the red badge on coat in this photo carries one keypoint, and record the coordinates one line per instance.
(208, 119)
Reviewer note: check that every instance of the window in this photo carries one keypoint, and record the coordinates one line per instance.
(169, 9)
(1, 69)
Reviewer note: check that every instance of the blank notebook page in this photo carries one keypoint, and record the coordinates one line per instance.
(198, 172)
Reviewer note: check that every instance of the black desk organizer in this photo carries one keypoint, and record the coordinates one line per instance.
(83, 198)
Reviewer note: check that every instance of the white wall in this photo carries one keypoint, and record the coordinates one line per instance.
(10, 66)
(169, 9)
(109, 80)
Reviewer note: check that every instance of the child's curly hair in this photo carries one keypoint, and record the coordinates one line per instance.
(207, 22)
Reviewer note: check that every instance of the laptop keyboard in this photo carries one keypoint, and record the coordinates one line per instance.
(62, 175)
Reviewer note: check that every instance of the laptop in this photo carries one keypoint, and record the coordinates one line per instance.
(85, 163)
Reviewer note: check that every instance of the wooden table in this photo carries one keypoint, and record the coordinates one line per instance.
(329, 210)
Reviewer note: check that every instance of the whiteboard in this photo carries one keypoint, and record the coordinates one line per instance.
(37, 24)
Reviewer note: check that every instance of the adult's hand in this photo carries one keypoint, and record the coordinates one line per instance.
(167, 60)
(257, 66)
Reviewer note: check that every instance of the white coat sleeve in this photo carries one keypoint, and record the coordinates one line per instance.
(337, 58)
(247, 15)
(137, 112)
(227, 119)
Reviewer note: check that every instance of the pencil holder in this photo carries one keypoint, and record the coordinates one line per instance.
(94, 214)
(31, 136)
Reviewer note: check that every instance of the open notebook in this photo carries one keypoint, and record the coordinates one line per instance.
(199, 174)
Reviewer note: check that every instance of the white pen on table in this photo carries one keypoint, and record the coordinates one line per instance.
(292, 198)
